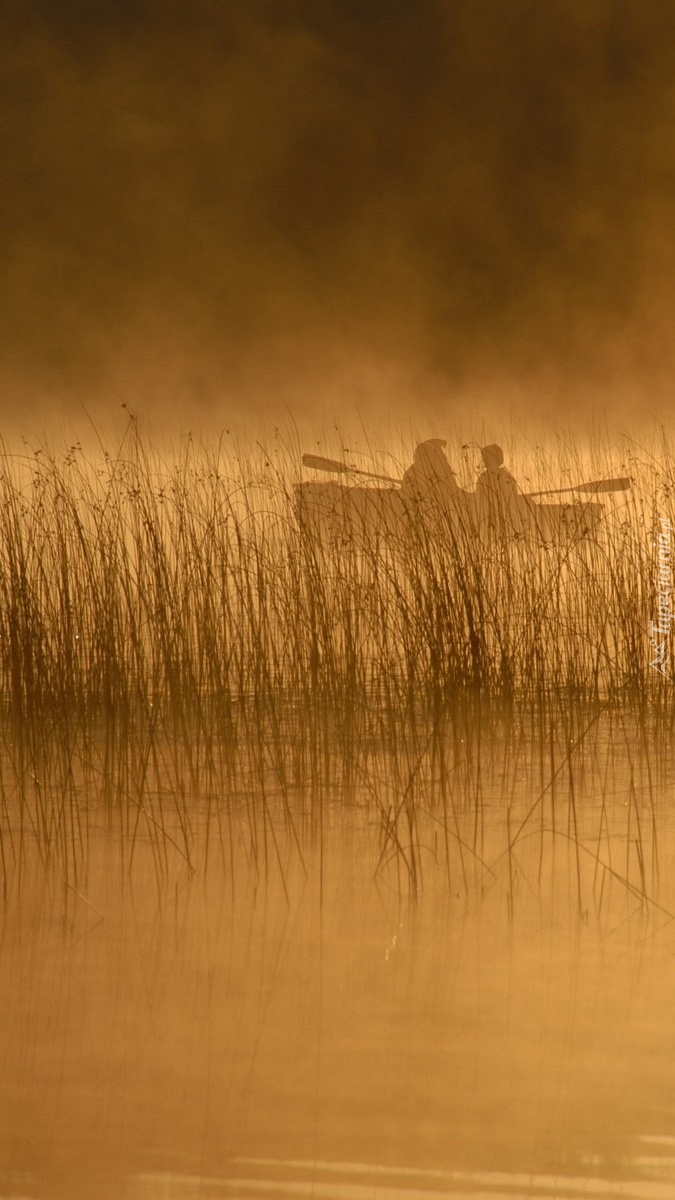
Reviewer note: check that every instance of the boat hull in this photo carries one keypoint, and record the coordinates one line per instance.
(331, 510)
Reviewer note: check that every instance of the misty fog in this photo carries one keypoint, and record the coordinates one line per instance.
(394, 209)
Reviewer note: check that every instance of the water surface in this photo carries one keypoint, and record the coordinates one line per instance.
(286, 1015)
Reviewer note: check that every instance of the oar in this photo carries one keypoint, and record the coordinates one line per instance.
(598, 485)
(331, 464)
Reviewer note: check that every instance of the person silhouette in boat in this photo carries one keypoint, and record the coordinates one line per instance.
(430, 477)
(498, 494)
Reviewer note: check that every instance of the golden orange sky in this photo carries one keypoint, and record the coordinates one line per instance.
(410, 209)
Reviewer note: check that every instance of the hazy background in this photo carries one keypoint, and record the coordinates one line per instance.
(399, 208)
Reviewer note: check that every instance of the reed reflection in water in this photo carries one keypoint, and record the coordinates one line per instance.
(197, 1030)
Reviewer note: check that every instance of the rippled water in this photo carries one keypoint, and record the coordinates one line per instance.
(312, 1029)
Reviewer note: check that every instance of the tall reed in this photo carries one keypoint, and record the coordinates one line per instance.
(175, 641)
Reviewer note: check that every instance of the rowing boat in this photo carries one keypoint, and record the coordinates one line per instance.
(335, 511)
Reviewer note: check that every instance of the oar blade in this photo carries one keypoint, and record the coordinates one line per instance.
(606, 485)
(317, 463)
(598, 485)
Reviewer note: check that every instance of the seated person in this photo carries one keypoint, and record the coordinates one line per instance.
(498, 493)
(430, 477)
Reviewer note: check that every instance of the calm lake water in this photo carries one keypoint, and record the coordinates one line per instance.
(289, 1016)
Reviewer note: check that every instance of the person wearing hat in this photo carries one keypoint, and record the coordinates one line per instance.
(430, 477)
